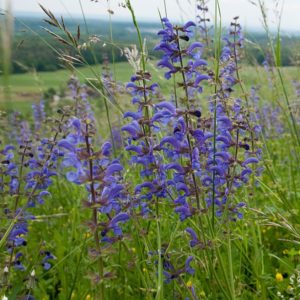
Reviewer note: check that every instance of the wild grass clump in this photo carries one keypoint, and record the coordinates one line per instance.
(190, 194)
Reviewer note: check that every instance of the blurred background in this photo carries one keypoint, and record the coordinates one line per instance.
(31, 67)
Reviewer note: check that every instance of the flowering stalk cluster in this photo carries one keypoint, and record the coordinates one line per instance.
(268, 116)
(232, 152)
(190, 155)
(174, 56)
(19, 129)
(100, 175)
(39, 115)
(163, 180)
(112, 87)
(205, 158)
(296, 106)
(26, 174)
(79, 94)
(141, 142)
(179, 146)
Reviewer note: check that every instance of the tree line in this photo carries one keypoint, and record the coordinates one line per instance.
(34, 48)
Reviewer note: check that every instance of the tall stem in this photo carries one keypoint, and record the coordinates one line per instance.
(160, 285)
(187, 120)
(94, 213)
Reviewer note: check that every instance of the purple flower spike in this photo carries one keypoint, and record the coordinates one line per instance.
(194, 239)
(188, 267)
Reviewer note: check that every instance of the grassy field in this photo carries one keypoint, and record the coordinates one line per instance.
(25, 89)
(198, 201)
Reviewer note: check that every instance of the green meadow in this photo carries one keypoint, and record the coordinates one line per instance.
(178, 187)
(24, 89)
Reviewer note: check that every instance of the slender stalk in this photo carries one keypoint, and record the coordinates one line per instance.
(187, 119)
(129, 6)
(160, 284)
(112, 41)
(206, 37)
(165, 7)
(110, 127)
(77, 270)
(230, 262)
(20, 176)
(84, 19)
(175, 91)
(94, 213)
(217, 50)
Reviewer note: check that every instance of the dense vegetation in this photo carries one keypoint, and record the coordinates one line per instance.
(180, 184)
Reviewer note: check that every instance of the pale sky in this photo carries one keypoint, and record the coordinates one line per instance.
(148, 10)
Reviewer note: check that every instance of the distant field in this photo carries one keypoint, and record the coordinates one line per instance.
(29, 87)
